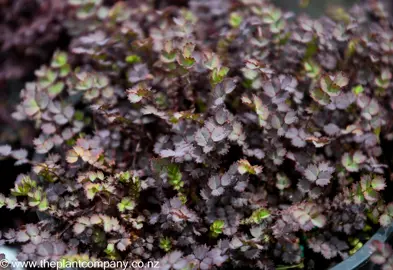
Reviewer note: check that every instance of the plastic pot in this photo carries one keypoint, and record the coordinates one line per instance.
(362, 256)
(356, 261)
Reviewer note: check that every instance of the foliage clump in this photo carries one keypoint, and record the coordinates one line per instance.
(207, 136)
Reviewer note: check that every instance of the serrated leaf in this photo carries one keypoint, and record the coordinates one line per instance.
(218, 192)
(371, 195)
(222, 89)
(385, 220)
(244, 166)
(212, 61)
(349, 164)
(218, 74)
(378, 183)
(219, 133)
(137, 93)
(22, 236)
(323, 178)
(126, 204)
(186, 62)
(341, 79)
(123, 244)
(311, 173)
(202, 137)
(319, 221)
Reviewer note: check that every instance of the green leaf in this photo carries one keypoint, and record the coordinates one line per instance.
(111, 252)
(2, 200)
(277, 26)
(329, 87)
(261, 110)
(175, 176)
(371, 195)
(212, 61)
(188, 50)
(235, 19)
(250, 74)
(138, 93)
(24, 187)
(65, 70)
(312, 69)
(358, 246)
(133, 58)
(358, 194)
(43, 205)
(320, 97)
(100, 81)
(168, 57)
(217, 227)
(37, 198)
(358, 89)
(244, 166)
(55, 89)
(126, 204)
(185, 62)
(49, 77)
(260, 214)
(283, 181)
(383, 80)
(165, 244)
(124, 176)
(92, 190)
(31, 107)
(59, 59)
(85, 81)
(349, 164)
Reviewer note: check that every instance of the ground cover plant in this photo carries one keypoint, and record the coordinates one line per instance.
(218, 134)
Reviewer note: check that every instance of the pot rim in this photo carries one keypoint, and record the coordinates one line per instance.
(364, 253)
